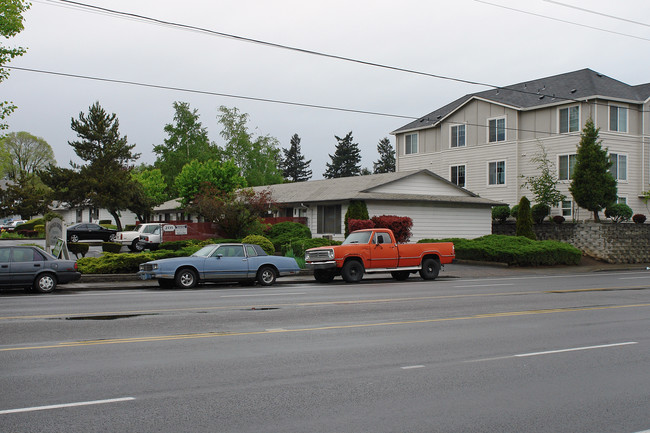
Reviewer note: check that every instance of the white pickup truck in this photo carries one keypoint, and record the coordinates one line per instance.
(132, 239)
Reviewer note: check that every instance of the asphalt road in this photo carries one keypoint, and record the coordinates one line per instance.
(511, 353)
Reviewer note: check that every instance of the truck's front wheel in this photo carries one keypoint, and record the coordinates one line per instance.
(352, 271)
(430, 269)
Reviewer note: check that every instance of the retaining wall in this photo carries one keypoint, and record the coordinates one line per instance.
(613, 243)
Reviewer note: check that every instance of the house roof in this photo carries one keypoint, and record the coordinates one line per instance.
(364, 188)
(558, 89)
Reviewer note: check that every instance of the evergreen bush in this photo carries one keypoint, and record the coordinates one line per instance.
(299, 246)
(514, 211)
(525, 220)
(263, 242)
(78, 248)
(357, 210)
(111, 247)
(539, 212)
(285, 232)
(618, 212)
(500, 213)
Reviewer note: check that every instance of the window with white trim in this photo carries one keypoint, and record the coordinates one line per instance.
(457, 136)
(570, 119)
(458, 175)
(617, 118)
(621, 200)
(565, 166)
(619, 166)
(497, 130)
(497, 173)
(567, 208)
(410, 144)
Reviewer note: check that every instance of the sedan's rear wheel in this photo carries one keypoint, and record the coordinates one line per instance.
(111, 237)
(45, 283)
(74, 238)
(266, 276)
(136, 245)
(186, 278)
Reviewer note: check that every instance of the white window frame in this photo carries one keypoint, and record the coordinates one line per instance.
(455, 181)
(505, 168)
(567, 208)
(409, 146)
(619, 109)
(621, 199)
(568, 120)
(616, 164)
(505, 129)
(569, 168)
(451, 135)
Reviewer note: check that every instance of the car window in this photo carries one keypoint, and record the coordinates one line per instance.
(23, 255)
(232, 250)
(79, 227)
(93, 227)
(250, 250)
(150, 229)
(38, 256)
(4, 254)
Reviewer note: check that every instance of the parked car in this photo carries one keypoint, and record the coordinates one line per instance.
(90, 231)
(219, 262)
(131, 239)
(32, 268)
(11, 225)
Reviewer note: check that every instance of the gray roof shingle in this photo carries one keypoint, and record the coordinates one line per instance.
(571, 86)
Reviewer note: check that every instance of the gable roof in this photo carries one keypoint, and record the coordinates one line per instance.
(558, 89)
(364, 188)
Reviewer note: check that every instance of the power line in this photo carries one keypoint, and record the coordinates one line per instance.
(597, 13)
(205, 92)
(561, 20)
(139, 17)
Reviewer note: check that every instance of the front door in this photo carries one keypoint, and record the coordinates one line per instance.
(383, 252)
(25, 263)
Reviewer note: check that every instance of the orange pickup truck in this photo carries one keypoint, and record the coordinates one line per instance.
(375, 250)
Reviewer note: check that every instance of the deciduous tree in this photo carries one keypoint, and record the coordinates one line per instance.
(11, 23)
(151, 191)
(195, 176)
(346, 160)
(593, 187)
(544, 185)
(26, 154)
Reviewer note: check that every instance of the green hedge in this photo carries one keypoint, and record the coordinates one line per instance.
(78, 248)
(298, 246)
(514, 250)
(286, 232)
(126, 263)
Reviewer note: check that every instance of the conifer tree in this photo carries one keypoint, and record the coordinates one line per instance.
(386, 163)
(294, 166)
(593, 187)
(346, 160)
(525, 220)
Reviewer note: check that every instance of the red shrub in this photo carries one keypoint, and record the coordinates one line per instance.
(638, 218)
(360, 224)
(401, 226)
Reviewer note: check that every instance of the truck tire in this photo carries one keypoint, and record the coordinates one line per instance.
(324, 275)
(400, 275)
(186, 278)
(352, 271)
(430, 269)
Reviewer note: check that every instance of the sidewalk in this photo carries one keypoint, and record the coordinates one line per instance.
(462, 269)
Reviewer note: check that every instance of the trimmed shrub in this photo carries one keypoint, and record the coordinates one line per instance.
(539, 212)
(525, 220)
(174, 245)
(500, 213)
(78, 248)
(126, 263)
(31, 224)
(27, 233)
(300, 245)
(515, 250)
(102, 222)
(401, 226)
(111, 247)
(129, 227)
(638, 218)
(263, 242)
(360, 225)
(514, 211)
(618, 212)
(357, 210)
(558, 219)
(284, 232)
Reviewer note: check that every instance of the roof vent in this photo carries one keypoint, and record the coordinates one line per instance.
(542, 97)
(572, 91)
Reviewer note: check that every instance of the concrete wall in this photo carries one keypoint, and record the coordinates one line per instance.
(613, 243)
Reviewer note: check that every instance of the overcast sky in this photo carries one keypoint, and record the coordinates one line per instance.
(463, 39)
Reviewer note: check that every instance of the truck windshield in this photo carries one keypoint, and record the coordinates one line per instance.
(357, 238)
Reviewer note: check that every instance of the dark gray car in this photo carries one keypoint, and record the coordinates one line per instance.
(32, 268)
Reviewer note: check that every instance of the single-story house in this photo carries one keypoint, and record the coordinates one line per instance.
(79, 214)
(439, 208)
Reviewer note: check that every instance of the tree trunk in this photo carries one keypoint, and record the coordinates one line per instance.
(116, 217)
(596, 217)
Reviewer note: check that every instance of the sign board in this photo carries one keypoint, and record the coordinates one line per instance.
(181, 230)
(58, 247)
(169, 228)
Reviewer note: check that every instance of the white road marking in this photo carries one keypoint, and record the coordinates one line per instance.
(549, 352)
(635, 278)
(60, 406)
(260, 294)
(575, 349)
(484, 285)
(410, 367)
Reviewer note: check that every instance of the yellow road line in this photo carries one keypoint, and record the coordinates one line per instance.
(321, 328)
